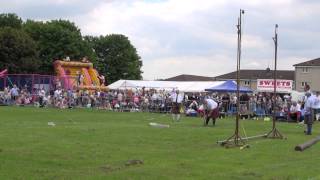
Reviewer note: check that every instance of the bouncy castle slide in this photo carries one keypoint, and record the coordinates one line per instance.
(69, 72)
(3, 73)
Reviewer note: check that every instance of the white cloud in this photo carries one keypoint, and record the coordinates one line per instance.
(191, 36)
(200, 65)
(162, 30)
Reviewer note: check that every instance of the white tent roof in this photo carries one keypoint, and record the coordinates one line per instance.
(185, 86)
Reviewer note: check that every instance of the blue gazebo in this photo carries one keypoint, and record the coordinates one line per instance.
(228, 86)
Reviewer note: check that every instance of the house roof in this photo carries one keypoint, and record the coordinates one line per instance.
(313, 62)
(187, 77)
(258, 74)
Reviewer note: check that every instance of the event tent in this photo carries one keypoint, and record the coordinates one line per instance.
(228, 86)
(184, 86)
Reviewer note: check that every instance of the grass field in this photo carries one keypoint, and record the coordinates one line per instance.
(93, 144)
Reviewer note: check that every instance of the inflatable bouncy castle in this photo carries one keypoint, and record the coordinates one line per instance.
(79, 75)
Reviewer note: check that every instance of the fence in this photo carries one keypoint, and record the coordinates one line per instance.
(30, 82)
(110, 101)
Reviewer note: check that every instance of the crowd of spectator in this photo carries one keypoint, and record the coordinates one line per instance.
(152, 100)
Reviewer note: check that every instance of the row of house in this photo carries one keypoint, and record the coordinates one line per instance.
(304, 73)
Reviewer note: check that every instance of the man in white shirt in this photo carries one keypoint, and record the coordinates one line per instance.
(295, 111)
(317, 106)
(57, 96)
(42, 94)
(211, 111)
(176, 99)
(308, 112)
(14, 92)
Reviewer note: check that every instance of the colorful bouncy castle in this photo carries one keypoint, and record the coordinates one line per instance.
(79, 75)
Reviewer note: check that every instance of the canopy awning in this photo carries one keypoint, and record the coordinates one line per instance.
(228, 86)
(185, 86)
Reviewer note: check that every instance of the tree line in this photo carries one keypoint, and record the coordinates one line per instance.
(31, 47)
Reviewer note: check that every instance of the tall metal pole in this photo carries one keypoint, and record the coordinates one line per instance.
(275, 133)
(239, 27)
(275, 40)
(235, 139)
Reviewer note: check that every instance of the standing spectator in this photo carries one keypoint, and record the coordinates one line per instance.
(176, 99)
(70, 98)
(244, 98)
(14, 92)
(225, 102)
(252, 106)
(80, 78)
(308, 113)
(7, 96)
(307, 89)
(120, 100)
(317, 106)
(57, 97)
(57, 83)
(233, 103)
(42, 94)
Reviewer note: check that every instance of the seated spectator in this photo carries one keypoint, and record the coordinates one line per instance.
(192, 109)
(194, 105)
(191, 112)
(295, 112)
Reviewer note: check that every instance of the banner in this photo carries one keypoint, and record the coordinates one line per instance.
(267, 85)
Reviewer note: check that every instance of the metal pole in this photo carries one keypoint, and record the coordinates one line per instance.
(235, 139)
(238, 72)
(275, 39)
(238, 62)
(275, 133)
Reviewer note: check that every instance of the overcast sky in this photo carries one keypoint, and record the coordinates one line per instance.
(192, 36)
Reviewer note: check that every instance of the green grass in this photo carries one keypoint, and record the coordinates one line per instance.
(93, 144)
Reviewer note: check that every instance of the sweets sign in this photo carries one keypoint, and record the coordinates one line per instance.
(267, 85)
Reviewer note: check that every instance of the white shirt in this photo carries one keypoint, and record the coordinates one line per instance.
(154, 96)
(42, 93)
(296, 108)
(309, 104)
(211, 104)
(234, 99)
(178, 98)
(14, 91)
(57, 93)
(317, 102)
(120, 97)
(313, 100)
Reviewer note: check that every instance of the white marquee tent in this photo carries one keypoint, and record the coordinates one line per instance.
(184, 86)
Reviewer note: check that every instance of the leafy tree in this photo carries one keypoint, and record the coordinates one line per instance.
(32, 46)
(57, 39)
(117, 58)
(18, 51)
(10, 20)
